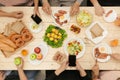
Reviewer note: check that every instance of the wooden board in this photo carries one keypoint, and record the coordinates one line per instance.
(18, 23)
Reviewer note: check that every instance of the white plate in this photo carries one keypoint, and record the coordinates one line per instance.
(36, 30)
(44, 51)
(108, 51)
(67, 17)
(81, 42)
(112, 16)
(84, 18)
(97, 39)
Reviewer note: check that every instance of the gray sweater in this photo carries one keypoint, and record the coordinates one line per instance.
(63, 2)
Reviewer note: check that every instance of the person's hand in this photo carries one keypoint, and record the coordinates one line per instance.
(115, 56)
(61, 68)
(17, 14)
(78, 66)
(74, 9)
(80, 69)
(99, 11)
(36, 11)
(46, 8)
(2, 75)
(95, 70)
(21, 65)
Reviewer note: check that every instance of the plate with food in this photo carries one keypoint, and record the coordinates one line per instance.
(101, 52)
(110, 15)
(38, 54)
(75, 47)
(75, 29)
(96, 32)
(61, 17)
(54, 36)
(84, 18)
(59, 57)
(35, 28)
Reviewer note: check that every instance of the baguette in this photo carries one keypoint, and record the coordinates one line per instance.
(7, 41)
(6, 47)
(1, 36)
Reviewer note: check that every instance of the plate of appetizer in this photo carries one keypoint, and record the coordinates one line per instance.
(96, 32)
(35, 28)
(101, 52)
(110, 15)
(84, 18)
(61, 17)
(75, 47)
(38, 54)
(75, 29)
(59, 57)
(54, 36)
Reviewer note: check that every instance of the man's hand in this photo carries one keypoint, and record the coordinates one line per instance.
(80, 69)
(74, 9)
(99, 11)
(62, 68)
(46, 7)
(2, 75)
(115, 56)
(17, 14)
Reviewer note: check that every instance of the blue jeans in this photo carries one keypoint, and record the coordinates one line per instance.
(31, 74)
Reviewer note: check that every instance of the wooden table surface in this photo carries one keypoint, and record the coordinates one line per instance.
(87, 61)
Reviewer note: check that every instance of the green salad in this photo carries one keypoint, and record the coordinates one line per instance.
(74, 47)
(54, 36)
(84, 18)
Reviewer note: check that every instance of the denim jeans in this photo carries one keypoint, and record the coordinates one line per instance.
(31, 74)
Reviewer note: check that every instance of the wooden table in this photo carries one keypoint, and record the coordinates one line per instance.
(87, 61)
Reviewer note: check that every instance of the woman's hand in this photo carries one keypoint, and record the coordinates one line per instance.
(74, 9)
(98, 10)
(21, 65)
(36, 11)
(46, 7)
(61, 68)
(78, 66)
(115, 56)
(2, 75)
(95, 70)
(17, 14)
(80, 69)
